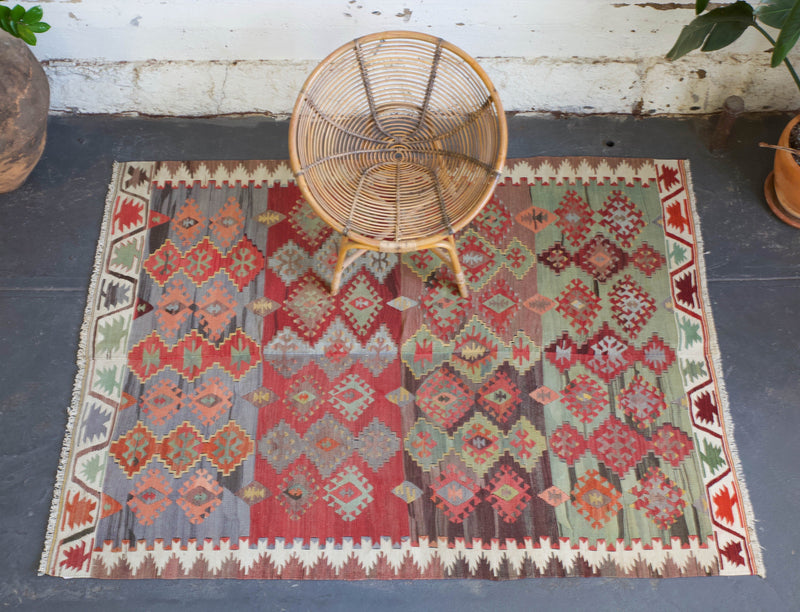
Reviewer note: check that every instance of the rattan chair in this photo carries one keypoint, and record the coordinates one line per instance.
(397, 140)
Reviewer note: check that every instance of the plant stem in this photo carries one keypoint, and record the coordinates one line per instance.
(785, 60)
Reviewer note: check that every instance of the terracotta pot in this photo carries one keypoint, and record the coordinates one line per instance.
(24, 102)
(787, 175)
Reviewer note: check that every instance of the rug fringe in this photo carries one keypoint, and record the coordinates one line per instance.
(716, 359)
(81, 362)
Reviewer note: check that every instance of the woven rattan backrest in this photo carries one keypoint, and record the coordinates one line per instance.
(397, 139)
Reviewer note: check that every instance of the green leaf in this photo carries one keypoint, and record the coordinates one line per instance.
(775, 12)
(700, 6)
(4, 12)
(17, 13)
(26, 34)
(788, 36)
(33, 15)
(39, 27)
(730, 18)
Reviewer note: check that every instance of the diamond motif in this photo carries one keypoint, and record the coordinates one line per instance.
(535, 218)
(261, 397)
(539, 304)
(562, 353)
(361, 304)
(173, 309)
(545, 395)
(380, 264)
(476, 351)
(262, 306)
(133, 450)
(578, 305)
(596, 499)
(402, 303)
(455, 494)
(671, 444)
(188, 223)
(525, 443)
(348, 493)
(444, 309)
(328, 444)
(622, 218)
(657, 355)
(648, 260)
(244, 263)
(202, 262)
(229, 447)
(309, 304)
(281, 446)
(227, 224)
(478, 259)
(557, 258)
(308, 224)
(216, 310)
(304, 395)
(568, 443)
(253, 493)
(351, 397)
(499, 397)
(607, 355)
(480, 444)
(631, 306)
(163, 263)
(553, 496)
(270, 217)
(508, 494)
(494, 220)
(499, 304)
(426, 444)
(289, 262)
(298, 492)
(287, 352)
(338, 346)
(199, 496)
(377, 444)
(584, 398)
(379, 352)
(161, 402)
(150, 497)
(400, 397)
(642, 402)
(660, 498)
(423, 352)
(574, 217)
(444, 398)
(181, 449)
(407, 491)
(518, 258)
(600, 258)
(617, 445)
(422, 263)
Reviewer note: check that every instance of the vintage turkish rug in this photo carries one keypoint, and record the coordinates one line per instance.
(232, 419)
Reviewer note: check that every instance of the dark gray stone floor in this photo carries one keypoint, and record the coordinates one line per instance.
(49, 231)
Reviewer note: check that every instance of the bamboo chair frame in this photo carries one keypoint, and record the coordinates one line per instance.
(397, 140)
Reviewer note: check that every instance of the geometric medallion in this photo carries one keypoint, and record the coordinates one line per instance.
(600, 258)
(423, 352)
(351, 396)
(455, 493)
(579, 306)
(173, 309)
(444, 398)
(584, 398)
(227, 223)
(660, 498)
(289, 262)
(134, 450)
(229, 447)
(647, 259)
(348, 493)
(657, 355)
(631, 306)
(281, 446)
(499, 397)
(161, 401)
(253, 493)
(478, 259)
(426, 444)
(494, 221)
(596, 499)
(181, 449)
(622, 217)
(553, 496)
(525, 443)
(188, 223)
(557, 258)
(535, 218)
(308, 224)
(309, 304)
(617, 445)
(498, 305)
(262, 306)
(641, 401)
(199, 496)
(479, 443)
(361, 304)
(210, 401)
(518, 258)
(539, 304)
(671, 444)
(568, 443)
(508, 494)
(377, 444)
(216, 309)
(297, 492)
(444, 309)
(545, 395)
(150, 497)
(574, 217)
(607, 355)
(328, 443)
(304, 394)
(476, 351)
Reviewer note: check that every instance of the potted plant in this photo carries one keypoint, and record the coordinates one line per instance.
(24, 95)
(721, 26)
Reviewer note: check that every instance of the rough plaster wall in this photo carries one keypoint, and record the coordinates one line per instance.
(208, 57)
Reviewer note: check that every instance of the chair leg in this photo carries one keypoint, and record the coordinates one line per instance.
(343, 261)
(455, 265)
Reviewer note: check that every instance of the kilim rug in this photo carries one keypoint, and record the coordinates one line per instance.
(233, 419)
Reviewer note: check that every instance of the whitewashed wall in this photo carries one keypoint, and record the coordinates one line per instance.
(210, 57)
